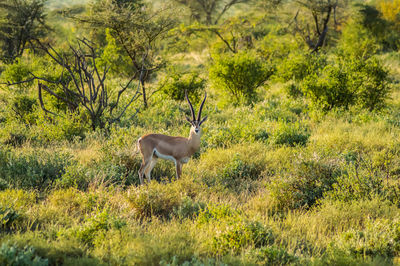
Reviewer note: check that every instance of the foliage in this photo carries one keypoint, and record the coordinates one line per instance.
(7, 217)
(36, 169)
(176, 84)
(352, 81)
(188, 208)
(240, 235)
(154, 199)
(22, 22)
(291, 134)
(13, 255)
(239, 75)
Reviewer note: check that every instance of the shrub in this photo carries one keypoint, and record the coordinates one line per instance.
(176, 85)
(298, 66)
(236, 175)
(154, 199)
(23, 107)
(240, 235)
(304, 183)
(17, 72)
(291, 134)
(188, 208)
(351, 81)
(240, 75)
(357, 183)
(13, 255)
(7, 217)
(217, 212)
(95, 226)
(32, 170)
(379, 238)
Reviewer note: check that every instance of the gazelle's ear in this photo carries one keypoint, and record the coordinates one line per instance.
(202, 120)
(188, 119)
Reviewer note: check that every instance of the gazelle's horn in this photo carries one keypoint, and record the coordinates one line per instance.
(201, 107)
(190, 105)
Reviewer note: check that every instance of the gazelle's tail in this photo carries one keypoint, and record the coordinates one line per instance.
(137, 147)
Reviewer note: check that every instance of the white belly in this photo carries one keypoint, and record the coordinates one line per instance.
(165, 157)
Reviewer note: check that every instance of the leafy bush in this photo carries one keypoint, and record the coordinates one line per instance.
(23, 107)
(236, 175)
(154, 199)
(96, 225)
(216, 212)
(351, 81)
(32, 170)
(240, 75)
(7, 217)
(17, 72)
(291, 134)
(188, 208)
(357, 183)
(299, 65)
(379, 238)
(13, 255)
(304, 183)
(176, 85)
(102, 172)
(240, 235)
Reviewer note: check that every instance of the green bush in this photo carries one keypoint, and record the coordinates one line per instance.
(351, 81)
(291, 134)
(240, 235)
(15, 256)
(176, 85)
(379, 238)
(17, 72)
(8, 216)
(217, 212)
(96, 225)
(188, 208)
(32, 170)
(236, 175)
(239, 75)
(299, 65)
(23, 107)
(358, 183)
(304, 183)
(154, 199)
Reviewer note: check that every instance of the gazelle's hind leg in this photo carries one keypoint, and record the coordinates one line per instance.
(145, 164)
(150, 167)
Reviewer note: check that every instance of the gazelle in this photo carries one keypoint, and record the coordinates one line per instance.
(177, 149)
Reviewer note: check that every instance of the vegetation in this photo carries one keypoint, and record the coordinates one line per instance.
(300, 156)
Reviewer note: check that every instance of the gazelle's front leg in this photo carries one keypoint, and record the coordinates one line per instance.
(178, 165)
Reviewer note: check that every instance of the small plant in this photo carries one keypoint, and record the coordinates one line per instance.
(240, 235)
(154, 199)
(188, 208)
(217, 212)
(13, 255)
(291, 134)
(8, 216)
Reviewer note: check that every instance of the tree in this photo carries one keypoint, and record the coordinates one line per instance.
(322, 12)
(136, 28)
(208, 12)
(20, 22)
(82, 84)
